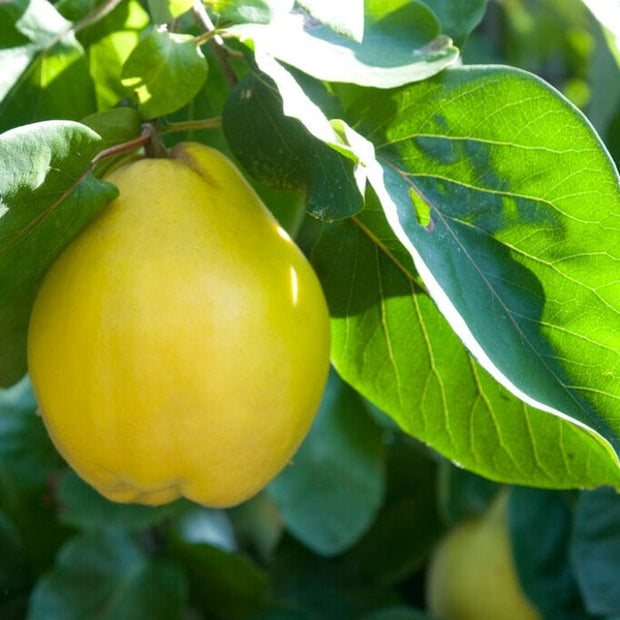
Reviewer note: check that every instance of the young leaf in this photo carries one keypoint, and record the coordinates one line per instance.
(401, 44)
(105, 574)
(45, 199)
(522, 253)
(166, 71)
(330, 494)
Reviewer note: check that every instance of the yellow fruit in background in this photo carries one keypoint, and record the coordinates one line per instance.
(472, 575)
(180, 344)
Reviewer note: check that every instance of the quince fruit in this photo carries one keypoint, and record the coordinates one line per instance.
(472, 575)
(179, 346)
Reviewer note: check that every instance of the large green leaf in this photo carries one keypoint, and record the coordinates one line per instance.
(391, 343)
(509, 205)
(46, 197)
(105, 574)
(401, 44)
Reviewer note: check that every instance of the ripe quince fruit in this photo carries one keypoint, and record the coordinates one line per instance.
(472, 575)
(179, 346)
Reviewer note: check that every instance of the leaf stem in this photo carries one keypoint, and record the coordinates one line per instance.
(205, 123)
(125, 147)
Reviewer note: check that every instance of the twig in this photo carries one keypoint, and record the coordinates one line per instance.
(215, 42)
(206, 123)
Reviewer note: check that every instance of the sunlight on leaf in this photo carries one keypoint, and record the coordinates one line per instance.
(401, 47)
(166, 71)
(523, 257)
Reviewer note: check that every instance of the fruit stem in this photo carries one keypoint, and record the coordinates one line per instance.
(153, 147)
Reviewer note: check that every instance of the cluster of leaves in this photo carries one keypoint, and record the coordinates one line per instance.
(345, 533)
(463, 220)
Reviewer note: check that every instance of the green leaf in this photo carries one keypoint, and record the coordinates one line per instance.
(164, 11)
(408, 523)
(110, 42)
(279, 151)
(595, 550)
(345, 17)
(257, 525)
(27, 456)
(26, 28)
(458, 19)
(28, 467)
(539, 523)
(47, 68)
(84, 508)
(390, 342)
(522, 252)
(463, 495)
(200, 525)
(252, 11)
(105, 574)
(115, 126)
(46, 197)
(608, 14)
(401, 44)
(166, 71)
(329, 496)
(396, 613)
(15, 574)
(236, 588)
